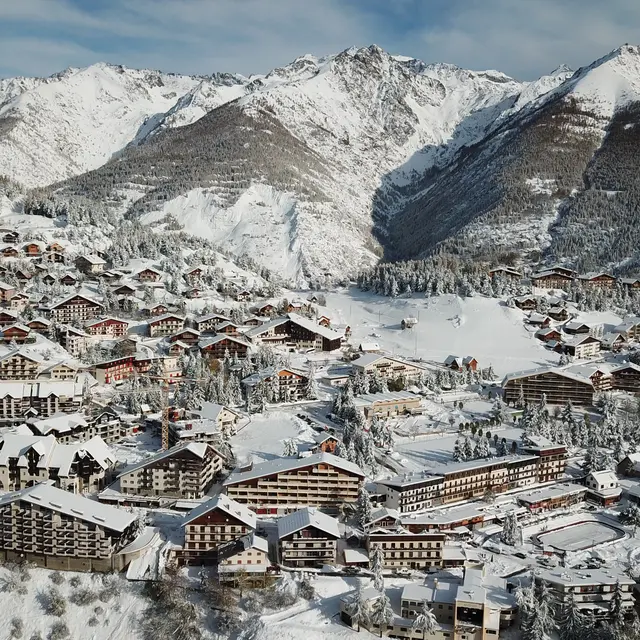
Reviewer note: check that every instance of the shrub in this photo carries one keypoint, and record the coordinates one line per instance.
(36, 636)
(75, 581)
(56, 577)
(13, 584)
(83, 597)
(98, 611)
(53, 603)
(17, 628)
(58, 631)
(93, 621)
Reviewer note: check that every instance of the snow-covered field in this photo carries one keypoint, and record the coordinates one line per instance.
(580, 536)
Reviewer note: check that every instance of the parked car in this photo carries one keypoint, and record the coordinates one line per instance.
(521, 554)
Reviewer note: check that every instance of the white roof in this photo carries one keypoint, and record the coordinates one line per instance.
(166, 316)
(198, 449)
(72, 296)
(94, 259)
(549, 493)
(34, 357)
(61, 423)
(280, 465)
(211, 411)
(207, 342)
(307, 517)
(184, 428)
(369, 358)
(226, 505)
(71, 504)
(567, 373)
(389, 396)
(604, 477)
(310, 325)
(263, 328)
(566, 576)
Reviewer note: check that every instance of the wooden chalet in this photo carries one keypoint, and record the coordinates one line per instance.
(90, 264)
(188, 336)
(158, 309)
(7, 292)
(555, 279)
(10, 236)
(54, 252)
(165, 325)
(124, 290)
(68, 280)
(32, 249)
(40, 325)
(193, 276)
(505, 272)
(76, 307)
(48, 279)
(113, 327)
(7, 318)
(9, 251)
(16, 332)
(149, 274)
(19, 301)
(600, 280)
(217, 346)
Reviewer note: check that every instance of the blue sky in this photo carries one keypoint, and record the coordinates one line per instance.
(524, 38)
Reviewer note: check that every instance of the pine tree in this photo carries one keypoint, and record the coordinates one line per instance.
(290, 448)
(571, 623)
(381, 612)
(358, 608)
(311, 386)
(468, 449)
(364, 509)
(617, 607)
(377, 565)
(458, 455)
(426, 621)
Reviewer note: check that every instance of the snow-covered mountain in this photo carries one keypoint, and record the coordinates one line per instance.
(318, 167)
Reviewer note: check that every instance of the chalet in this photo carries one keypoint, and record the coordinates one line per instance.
(9, 251)
(552, 279)
(32, 249)
(165, 325)
(266, 310)
(19, 302)
(612, 342)
(538, 319)
(112, 327)
(626, 377)
(218, 346)
(581, 347)
(600, 280)
(557, 385)
(149, 274)
(18, 332)
(62, 371)
(295, 306)
(193, 276)
(40, 325)
(125, 290)
(548, 335)
(216, 522)
(383, 518)
(187, 336)
(48, 279)
(249, 554)
(575, 327)
(408, 323)
(185, 471)
(411, 550)
(559, 314)
(7, 318)
(629, 466)
(505, 272)
(557, 496)
(90, 264)
(178, 347)
(54, 252)
(243, 295)
(387, 367)
(76, 307)
(7, 292)
(325, 443)
(193, 293)
(324, 321)
(603, 487)
(208, 323)
(228, 328)
(281, 384)
(468, 363)
(630, 283)
(9, 237)
(68, 280)
(111, 276)
(157, 309)
(113, 371)
(254, 321)
(19, 365)
(22, 276)
(307, 538)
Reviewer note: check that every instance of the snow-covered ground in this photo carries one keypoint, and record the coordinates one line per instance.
(580, 536)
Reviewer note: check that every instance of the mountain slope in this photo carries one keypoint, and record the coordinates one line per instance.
(540, 172)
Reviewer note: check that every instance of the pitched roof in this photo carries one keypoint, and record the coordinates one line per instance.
(61, 423)
(93, 258)
(226, 505)
(75, 295)
(307, 517)
(280, 465)
(166, 316)
(542, 370)
(310, 325)
(207, 342)
(34, 357)
(198, 449)
(71, 504)
(263, 328)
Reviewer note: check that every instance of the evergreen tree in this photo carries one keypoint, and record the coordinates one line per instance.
(290, 448)
(426, 621)
(381, 612)
(311, 386)
(358, 608)
(377, 565)
(571, 623)
(617, 608)
(364, 509)
(468, 449)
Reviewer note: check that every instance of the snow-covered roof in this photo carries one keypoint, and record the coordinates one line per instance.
(74, 505)
(370, 358)
(307, 517)
(549, 493)
(263, 328)
(389, 396)
(34, 357)
(211, 316)
(576, 341)
(6, 287)
(280, 465)
(269, 372)
(207, 342)
(92, 258)
(75, 295)
(226, 505)
(575, 577)
(310, 325)
(574, 325)
(39, 388)
(542, 370)
(198, 449)
(61, 423)
(604, 477)
(166, 316)
(211, 411)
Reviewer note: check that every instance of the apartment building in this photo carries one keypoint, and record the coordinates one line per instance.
(581, 347)
(284, 485)
(90, 264)
(284, 384)
(592, 590)
(558, 386)
(187, 336)
(471, 479)
(75, 341)
(218, 346)
(307, 538)
(82, 467)
(184, 471)
(165, 325)
(115, 370)
(387, 367)
(249, 554)
(112, 327)
(56, 529)
(387, 405)
(20, 401)
(61, 371)
(216, 522)
(208, 323)
(75, 308)
(411, 550)
(552, 458)
(296, 331)
(19, 365)
(65, 427)
(18, 333)
(476, 606)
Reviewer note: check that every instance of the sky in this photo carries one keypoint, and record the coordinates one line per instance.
(523, 38)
